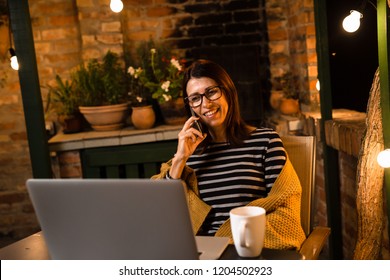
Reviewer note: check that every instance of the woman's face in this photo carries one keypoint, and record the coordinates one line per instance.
(212, 113)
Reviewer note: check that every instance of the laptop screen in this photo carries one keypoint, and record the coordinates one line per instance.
(114, 218)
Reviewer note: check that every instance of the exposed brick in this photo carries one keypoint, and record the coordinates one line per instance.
(218, 19)
(278, 35)
(17, 136)
(243, 28)
(111, 26)
(246, 16)
(241, 4)
(110, 39)
(59, 33)
(160, 11)
(202, 8)
(62, 20)
(70, 171)
(142, 35)
(205, 31)
(69, 157)
(12, 197)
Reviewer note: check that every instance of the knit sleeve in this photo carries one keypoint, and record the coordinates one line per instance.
(282, 205)
(198, 208)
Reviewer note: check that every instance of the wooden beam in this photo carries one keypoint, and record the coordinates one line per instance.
(330, 155)
(30, 88)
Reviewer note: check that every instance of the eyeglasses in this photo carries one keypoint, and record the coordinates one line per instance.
(212, 93)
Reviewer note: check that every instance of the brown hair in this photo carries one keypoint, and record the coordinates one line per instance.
(236, 128)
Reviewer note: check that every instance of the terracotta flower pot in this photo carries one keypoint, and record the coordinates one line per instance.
(71, 123)
(289, 106)
(143, 117)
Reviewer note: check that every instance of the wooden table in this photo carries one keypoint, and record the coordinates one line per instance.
(34, 247)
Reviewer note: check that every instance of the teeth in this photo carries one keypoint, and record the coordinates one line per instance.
(209, 113)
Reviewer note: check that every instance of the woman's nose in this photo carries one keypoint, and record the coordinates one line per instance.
(206, 103)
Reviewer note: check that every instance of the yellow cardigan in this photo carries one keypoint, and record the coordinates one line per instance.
(283, 204)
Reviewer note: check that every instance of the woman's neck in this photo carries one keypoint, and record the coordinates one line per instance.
(218, 135)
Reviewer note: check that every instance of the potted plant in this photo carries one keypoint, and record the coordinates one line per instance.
(161, 75)
(143, 115)
(102, 88)
(289, 104)
(63, 99)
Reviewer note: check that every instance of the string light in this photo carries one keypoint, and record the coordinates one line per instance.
(14, 59)
(383, 158)
(351, 23)
(116, 6)
(318, 85)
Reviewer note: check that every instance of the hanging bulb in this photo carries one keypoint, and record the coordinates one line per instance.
(14, 59)
(116, 6)
(318, 85)
(351, 23)
(383, 158)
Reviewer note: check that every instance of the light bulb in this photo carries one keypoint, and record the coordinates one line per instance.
(14, 59)
(318, 85)
(14, 63)
(351, 23)
(116, 6)
(383, 158)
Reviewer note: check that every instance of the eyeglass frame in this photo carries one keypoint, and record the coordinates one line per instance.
(186, 99)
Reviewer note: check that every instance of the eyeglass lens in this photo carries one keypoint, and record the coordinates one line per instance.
(211, 94)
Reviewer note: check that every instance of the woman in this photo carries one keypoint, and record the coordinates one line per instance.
(230, 164)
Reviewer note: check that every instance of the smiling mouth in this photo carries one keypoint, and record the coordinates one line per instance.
(210, 113)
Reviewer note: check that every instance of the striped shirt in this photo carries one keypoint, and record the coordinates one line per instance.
(229, 177)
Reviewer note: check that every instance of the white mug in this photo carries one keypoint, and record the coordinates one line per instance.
(248, 229)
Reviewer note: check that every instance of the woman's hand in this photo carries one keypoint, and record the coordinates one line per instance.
(188, 139)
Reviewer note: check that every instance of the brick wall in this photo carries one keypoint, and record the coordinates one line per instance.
(279, 33)
(68, 31)
(292, 48)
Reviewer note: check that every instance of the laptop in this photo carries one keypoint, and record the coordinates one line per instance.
(126, 219)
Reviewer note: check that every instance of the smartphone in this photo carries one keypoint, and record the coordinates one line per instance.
(196, 124)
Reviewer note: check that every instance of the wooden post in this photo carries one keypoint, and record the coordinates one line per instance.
(30, 88)
(330, 155)
(369, 200)
(370, 176)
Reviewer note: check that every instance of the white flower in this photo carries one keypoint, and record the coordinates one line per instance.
(139, 99)
(176, 63)
(131, 70)
(137, 72)
(165, 86)
(167, 97)
(153, 51)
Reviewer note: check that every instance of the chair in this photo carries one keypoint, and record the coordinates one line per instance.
(302, 153)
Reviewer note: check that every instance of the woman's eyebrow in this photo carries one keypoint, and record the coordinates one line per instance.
(206, 89)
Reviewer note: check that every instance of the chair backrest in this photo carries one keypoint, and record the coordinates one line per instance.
(302, 153)
(127, 161)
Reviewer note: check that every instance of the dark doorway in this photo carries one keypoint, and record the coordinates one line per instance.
(353, 56)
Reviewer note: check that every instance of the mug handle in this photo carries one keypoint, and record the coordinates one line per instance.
(243, 228)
